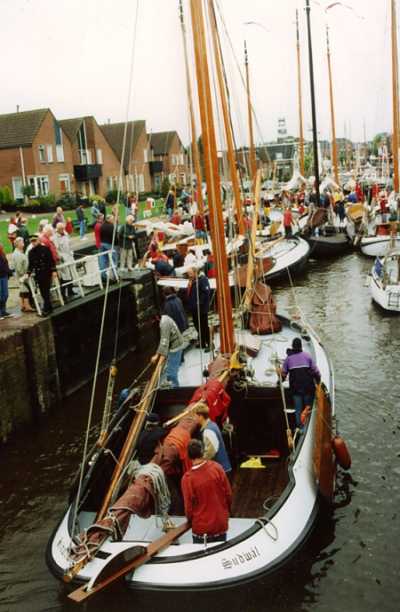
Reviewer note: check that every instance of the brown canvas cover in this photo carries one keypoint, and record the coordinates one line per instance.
(318, 217)
(263, 319)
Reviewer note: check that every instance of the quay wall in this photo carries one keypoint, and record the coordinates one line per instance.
(44, 360)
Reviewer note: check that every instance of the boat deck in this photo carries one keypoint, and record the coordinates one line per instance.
(265, 484)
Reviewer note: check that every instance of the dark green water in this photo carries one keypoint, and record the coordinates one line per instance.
(351, 562)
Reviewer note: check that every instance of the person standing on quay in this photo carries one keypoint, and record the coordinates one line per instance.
(41, 264)
(207, 497)
(127, 234)
(80, 215)
(19, 262)
(5, 273)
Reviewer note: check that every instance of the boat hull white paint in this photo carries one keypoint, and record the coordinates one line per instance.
(376, 246)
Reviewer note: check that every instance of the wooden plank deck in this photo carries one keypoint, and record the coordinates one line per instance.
(252, 486)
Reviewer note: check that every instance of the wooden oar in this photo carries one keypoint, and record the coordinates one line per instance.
(269, 245)
(288, 430)
(108, 575)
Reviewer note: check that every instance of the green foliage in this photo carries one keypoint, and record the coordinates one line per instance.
(112, 196)
(67, 200)
(165, 187)
(47, 201)
(6, 195)
(308, 161)
(28, 190)
(377, 141)
(95, 198)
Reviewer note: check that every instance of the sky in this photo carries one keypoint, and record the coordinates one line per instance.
(79, 57)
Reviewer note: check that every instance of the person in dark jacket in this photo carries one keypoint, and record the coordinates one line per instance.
(126, 235)
(198, 303)
(5, 273)
(41, 265)
(106, 244)
(173, 307)
(214, 446)
(80, 215)
(303, 374)
(149, 438)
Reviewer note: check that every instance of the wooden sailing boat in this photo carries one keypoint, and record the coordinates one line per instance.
(277, 477)
(324, 237)
(386, 234)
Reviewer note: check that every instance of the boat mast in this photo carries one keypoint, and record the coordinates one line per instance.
(195, 150)
(334, 144)
(227, 119)
(253, 163)
(301, 132)
(314, 116)
(395, 87)
(212, 178)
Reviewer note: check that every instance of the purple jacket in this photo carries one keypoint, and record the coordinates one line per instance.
(302, 373)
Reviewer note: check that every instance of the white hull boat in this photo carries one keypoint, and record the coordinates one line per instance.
(263, 533)
(376, 246)
(385, 281)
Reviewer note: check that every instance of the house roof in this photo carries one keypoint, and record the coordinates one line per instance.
(161, 142)
(20, 129)
(71, 126)
(114, 133)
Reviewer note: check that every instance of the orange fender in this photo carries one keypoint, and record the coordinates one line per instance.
(341, 452)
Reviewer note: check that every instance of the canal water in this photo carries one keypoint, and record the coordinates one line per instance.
(350, 563)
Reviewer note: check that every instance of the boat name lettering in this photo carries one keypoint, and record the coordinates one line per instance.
(240, 558)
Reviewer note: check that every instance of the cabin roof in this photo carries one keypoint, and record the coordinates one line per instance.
(20, 129)
(114, 133)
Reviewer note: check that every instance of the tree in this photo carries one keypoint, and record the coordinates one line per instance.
(378, 140)
(165, 186)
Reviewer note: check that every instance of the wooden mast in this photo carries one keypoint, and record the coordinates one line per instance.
(395, 87)
(212, 178)
(301, 131)
(253, 163)
(334, 144)
(195, 150)
(313, 111)
(227, 120)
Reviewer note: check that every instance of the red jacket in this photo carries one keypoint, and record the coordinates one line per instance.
(287, 218)
(207, 496)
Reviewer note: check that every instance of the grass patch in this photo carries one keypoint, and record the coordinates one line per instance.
(33, 220)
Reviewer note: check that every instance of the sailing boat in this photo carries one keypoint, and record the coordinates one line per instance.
(386, 233)
(321, 232)
(116, 520)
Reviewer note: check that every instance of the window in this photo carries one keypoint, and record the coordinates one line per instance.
(172, 178)
(145, 155)
(65, 183)
(99, 156)
(140, 183)
(279, 156)
(39, 184)
(17, 188)
(157, 182)
(59, 153)
(85, 157)
(173, 160)
(182, 178)
(110, 183)
(49, 154)
(42, 153)
(181, 159)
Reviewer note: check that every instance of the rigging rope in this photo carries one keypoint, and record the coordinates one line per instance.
(97, 364)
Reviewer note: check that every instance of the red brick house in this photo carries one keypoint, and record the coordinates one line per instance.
(34, 151)
(136, 157)
(95, 165)
(168, 158)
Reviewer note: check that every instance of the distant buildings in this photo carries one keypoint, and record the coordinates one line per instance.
(42, 155)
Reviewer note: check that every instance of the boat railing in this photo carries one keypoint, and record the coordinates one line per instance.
(86, 272)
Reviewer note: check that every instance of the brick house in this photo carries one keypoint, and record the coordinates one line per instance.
(96, 167)
(136, 157)
(168, 158)
(34, 151)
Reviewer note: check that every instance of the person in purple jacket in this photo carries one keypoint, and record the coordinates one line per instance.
(303, 375)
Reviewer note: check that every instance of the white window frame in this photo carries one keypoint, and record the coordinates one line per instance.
(110, 183)
(60, 153)
(85, 157)
(42, 153)
(140, 183)
(181, 159)
(66, 179)
(49, 149)
(18, 195)
(40, 184)
(173, 159)
(145, 156)
(99, 156)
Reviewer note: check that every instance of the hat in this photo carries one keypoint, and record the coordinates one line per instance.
(34, 237)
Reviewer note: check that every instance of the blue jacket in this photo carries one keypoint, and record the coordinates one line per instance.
(173, 308)
(302, 372)
(222, 456)
(199, 299)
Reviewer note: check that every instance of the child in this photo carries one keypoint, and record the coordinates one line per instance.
(69, 228)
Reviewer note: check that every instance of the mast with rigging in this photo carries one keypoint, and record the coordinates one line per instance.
(334, 144)
(313, 111)
(299, 91)
(395, 87)
(253, 163)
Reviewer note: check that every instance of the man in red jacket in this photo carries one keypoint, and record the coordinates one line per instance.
(207, 496)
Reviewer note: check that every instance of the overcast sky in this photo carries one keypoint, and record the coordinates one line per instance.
(74, 57)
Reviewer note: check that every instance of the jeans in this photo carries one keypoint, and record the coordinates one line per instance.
(104, 260)
(171, 370)
(3, 294)
(300, 402)
(82, 228)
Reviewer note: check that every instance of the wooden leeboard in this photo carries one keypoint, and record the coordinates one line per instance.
(324, 459)
(153, 548)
